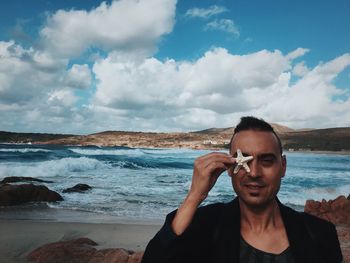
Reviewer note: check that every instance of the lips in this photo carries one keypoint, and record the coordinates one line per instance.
(254, 185)
(254, 188)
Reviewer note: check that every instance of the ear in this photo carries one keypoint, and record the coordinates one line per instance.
(284, 165)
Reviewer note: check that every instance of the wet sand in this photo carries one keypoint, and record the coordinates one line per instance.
(20, 237)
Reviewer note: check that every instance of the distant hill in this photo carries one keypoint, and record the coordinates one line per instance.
(332, 139)
(15, 137)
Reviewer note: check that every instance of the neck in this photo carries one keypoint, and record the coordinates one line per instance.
(260, 219)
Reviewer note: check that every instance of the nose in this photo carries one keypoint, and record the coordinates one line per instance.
(254, 169)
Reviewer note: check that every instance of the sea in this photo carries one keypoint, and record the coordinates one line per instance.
(143, 185)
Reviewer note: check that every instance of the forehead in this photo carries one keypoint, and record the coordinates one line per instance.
(255, 142)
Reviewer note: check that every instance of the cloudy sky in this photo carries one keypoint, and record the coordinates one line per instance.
(85, 66)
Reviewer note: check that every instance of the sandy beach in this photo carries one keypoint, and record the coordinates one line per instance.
(19, 237)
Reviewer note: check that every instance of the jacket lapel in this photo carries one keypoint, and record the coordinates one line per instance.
(229, 232)
(228, 240)
(300, 242)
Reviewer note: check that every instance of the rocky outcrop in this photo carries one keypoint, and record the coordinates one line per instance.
(82, 250)
(16, 179)
(79, 188)
(19, 194)
(336, 211)
(344, 239)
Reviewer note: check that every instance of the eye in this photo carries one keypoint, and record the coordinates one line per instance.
(267, 161)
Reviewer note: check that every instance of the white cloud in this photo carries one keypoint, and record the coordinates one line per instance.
(133, 92)
(123, 25)
(37, 89)
(225, 25)
(62, 97)
(159, 85)
(78, 76)
(310, 101)
(299, 52)
(218, 88)
(300, 69)
(206, 12)
(26, 73)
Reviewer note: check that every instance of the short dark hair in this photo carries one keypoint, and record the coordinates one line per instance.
(255, 124)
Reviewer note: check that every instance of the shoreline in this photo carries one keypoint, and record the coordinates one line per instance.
(20, 237)
(44, 213)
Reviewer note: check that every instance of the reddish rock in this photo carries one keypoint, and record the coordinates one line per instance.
(82, 250)
(136, 257)
(19, 194)
(117, 255)
(337, 211)
(73, 251)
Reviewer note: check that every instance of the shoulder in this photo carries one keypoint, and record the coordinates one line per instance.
(317, 224)
(211, 215)
(216, 207)
(316, 233)
(321, 231)
(214, 210)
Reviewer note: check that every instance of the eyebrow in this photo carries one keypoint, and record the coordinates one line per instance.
(267, 155)
(261, 156)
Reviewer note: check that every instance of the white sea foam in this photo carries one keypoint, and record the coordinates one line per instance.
(315, 193)
(62, 167)
(128, 152)
(139, 152)
(166, 151)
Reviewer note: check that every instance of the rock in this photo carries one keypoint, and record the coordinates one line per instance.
(337, 211)
(82, 250)
(19, 194)
(344, 239)
(117, 255)
(78, 250)
(15, 179)
(79, 188)
(136, 257)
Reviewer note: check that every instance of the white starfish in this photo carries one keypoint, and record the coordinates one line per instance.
(242, 161)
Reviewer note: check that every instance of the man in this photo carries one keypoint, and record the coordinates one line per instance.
(255, 227)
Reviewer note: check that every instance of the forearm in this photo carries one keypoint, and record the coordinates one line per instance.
(185, 214)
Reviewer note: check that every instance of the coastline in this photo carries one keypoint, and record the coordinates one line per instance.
(25, 228)
(20, 237)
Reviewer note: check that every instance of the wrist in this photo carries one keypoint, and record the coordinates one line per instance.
(195, 199)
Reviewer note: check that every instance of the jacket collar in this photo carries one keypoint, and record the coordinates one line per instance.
(299, 240)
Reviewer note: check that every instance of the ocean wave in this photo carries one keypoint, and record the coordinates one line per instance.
(173, 152)
(25, 150)
(123, 151)
(61, 167)
(299, 197)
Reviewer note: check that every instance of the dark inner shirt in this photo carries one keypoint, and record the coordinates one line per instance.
(249, 254)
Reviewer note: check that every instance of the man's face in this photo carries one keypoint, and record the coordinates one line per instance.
(258, 187)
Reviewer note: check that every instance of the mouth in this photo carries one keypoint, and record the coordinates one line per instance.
(255, 187)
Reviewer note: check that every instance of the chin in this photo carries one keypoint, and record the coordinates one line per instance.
(255, 201)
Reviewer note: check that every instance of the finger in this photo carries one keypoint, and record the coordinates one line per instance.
(213, 155)
(216, 168)
(219, 159)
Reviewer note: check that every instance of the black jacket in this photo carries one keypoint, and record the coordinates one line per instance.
(214, 236)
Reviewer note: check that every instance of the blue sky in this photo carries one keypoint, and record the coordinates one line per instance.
(166, 65)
